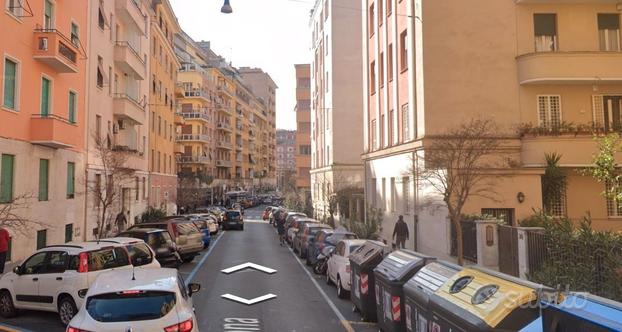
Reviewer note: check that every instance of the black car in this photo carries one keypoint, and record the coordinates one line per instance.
(160, 241)
(233, 219)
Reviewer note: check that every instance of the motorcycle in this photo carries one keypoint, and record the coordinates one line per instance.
(321, 265)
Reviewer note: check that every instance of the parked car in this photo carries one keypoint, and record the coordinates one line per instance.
(187, 237)
(233, 219)
(326, 237)
(291, 215)
(292, 228)
(56, 278)
(160, 241)
(306, 235)
(205, 220)
(141, 254)
(139, 300)
(338, 271)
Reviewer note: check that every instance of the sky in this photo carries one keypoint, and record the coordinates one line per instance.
(270, 34)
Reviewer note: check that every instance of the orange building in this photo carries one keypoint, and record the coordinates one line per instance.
(303, 126)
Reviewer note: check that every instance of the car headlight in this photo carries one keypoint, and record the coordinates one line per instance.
(82, 293)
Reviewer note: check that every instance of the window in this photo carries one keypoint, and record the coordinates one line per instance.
(393, 202)
(382, 142)
(98, 188)
(614, 207)
(14, 7)
(137, 187)
(374, 192)
(609, 32)
(404, 50)
(144, 187)
(549, 111)
(44, 169)
(557, 205)
(372, 77)
(98, 126)
(405, 124)
(6, 178)
(383, 190)
(406, 194)
(72, 107)
(390, 62)
(326, 9)
(381, 70)
(48, 15)
(507, 215)
(45, 96)
(42, 238)
(371, 24)
(389, 7)
(545, 31)
(75, 34)
(10, 84)
(327, 82)
(305, 149)
(380, 14)
(391, 128)
(374, 136)
(68, 233)
(101, 17)
(71, 179)
(100, 72)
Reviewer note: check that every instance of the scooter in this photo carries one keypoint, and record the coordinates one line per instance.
(321, 264)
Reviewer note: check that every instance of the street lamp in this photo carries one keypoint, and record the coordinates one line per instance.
(226, 8)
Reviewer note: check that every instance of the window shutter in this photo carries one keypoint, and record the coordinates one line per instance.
(6, 178)
(608, 21)
(544, 24)
(43, 179)
(71, 180)
(598, 111)
(45, 97)
(10, 71)
(543, 111)
(72, 107)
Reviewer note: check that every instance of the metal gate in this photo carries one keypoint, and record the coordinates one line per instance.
(469, 241)
(508, 250)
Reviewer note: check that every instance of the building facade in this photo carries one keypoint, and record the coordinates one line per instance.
(43, 116)
(162, 106)
(336, 103)
(549, 74)
(286, 159)
(303, 126)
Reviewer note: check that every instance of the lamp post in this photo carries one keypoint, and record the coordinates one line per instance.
(226, 8)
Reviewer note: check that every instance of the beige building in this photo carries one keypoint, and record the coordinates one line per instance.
(552, 70)
(336, 102)
(285, 159)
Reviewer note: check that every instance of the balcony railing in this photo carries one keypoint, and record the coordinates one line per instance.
(129, 59)
(224, 145)
(128, 107)
(223, 163)
(193, 137)
(196, 115)
(224, 126)
(56, 50)
(193, 159)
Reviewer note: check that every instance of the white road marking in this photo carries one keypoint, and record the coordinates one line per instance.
(248, 265)
(198, 266)
(248, 302)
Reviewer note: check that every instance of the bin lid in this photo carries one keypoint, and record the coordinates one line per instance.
(598, 310)
(401, 264)
(489, 297)
(431, 277)
(369, 251)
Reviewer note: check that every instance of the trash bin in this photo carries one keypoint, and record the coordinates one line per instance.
(362, 263)
(477, 299)
(582, 312)
(391, 275)
(418, 289)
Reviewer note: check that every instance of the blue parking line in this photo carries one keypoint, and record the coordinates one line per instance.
(198, 266)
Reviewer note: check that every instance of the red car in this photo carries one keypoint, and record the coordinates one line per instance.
(266, 213)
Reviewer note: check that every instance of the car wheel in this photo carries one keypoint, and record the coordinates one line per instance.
(7, 309)
(308, 262)
(241, 228)
(341, 293)
(187, 259)
(328, 281)
(66, 309)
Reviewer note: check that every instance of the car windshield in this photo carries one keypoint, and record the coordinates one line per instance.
(233, 214)
(158, 239)
(354, 247)
(107, 258)
(130, 306)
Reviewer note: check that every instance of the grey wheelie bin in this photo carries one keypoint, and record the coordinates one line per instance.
(418, 289)
(362, 262)
(391, 275)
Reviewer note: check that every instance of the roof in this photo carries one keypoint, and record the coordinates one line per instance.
(315, 224)
(354, 242)
(112, 281)
(144, 230)
(78, 246)
(121, 240)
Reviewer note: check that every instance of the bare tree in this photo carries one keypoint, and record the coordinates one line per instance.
(12, 216)
(459, 164)
(192, 189)
(116, 175)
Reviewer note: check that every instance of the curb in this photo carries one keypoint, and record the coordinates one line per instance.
(10, 328)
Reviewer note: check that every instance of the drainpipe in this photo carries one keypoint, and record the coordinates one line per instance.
(86, 139)
(416, 196)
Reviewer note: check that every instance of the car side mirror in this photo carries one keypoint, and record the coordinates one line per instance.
(17, 270)
(193, 288)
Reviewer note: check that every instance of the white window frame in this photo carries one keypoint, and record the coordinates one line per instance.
(547, 122)
(16, 12)
(614, 209)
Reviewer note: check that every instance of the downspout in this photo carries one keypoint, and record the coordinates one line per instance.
(86, 125)
(416, 196)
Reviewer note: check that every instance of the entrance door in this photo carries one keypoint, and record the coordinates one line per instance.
(125, 198)
(612, 112)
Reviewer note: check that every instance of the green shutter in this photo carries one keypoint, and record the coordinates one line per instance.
(72, 107)
(6, 178)
(10, 71)
(68, 233)
(9, 252)
(44, 166)
(42, 238)
(45, 96)
(71, 172)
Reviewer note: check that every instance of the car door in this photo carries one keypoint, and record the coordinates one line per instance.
(340, 259)
(27, 282)
(334, 260)
(53, 279)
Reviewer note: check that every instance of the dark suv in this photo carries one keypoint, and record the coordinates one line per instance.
(233, 219)
(160, 241)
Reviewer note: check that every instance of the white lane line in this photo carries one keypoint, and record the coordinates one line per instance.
(346, 324)
(198, 266)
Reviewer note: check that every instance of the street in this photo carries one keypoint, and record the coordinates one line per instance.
(300, 304)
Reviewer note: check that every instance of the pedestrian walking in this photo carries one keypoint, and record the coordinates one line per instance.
(4, 247)
(400, 233)
(120, 221)
(280, 224)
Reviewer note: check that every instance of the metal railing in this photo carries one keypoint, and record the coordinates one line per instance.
(193, 137)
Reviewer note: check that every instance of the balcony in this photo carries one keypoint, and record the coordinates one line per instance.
(223, 163)
(179, 149)
(196, 93)
(225, 109)
(224, 127)
(129, 59)
(56, 50)
(193, 160)
(569, 67)
(224, 145)
(129, 11)
(127, 107)
(54, 132)
(179, 119)
(226, 90)
(193, 138)
(196, 115)
(238, 146)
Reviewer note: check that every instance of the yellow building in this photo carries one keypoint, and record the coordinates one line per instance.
(162, 143)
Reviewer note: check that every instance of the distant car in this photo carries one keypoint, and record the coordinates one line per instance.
(291, 215)
(160, 241)
(338, 271)
(137, 300)
(56, 278)
(324, 238)
(233, 219)
(141, 254)
(205, 220)
(306, 235)
(187, 236)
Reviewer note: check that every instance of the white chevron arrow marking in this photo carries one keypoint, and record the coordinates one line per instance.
(248, 302)
(246, 266)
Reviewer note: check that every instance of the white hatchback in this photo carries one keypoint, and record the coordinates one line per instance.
(137, 300)
(338, 270)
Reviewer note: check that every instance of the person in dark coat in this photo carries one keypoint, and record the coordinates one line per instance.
(400, 232)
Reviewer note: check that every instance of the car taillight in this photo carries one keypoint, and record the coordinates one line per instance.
(185, 326)
(83, 264)
(175, 232)
(348, 268)
(74, 329)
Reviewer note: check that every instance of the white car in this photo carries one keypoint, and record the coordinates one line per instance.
(56, 278)
(203, 220)
(137, 300)
(141, 254)
(338, 269)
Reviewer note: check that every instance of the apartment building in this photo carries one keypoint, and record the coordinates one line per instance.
(554, 70)
(336, 101)
(285, 158)
(303, 126)
(42, 122)
(162, 118)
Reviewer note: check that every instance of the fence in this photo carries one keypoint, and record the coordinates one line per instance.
(469, 240)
